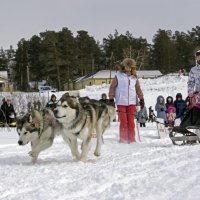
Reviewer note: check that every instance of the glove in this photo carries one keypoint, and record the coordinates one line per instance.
(190, 94)
(142, 101)
(112, 102)
(162, 109)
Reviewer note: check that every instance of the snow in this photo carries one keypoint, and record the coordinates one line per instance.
(148, 170)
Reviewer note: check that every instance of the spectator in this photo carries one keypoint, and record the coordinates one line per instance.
(169, 101)
(161, 109)
(142, 115)
(171, 115)
(8, 111)
(151, 115)
(52, 103)
(125, 88)
(180, 106)
(104, 99)
(29, 106)
(181, 72)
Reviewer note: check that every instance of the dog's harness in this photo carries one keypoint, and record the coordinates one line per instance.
(82, 125)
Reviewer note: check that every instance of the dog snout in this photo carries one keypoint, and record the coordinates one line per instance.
(20, 142)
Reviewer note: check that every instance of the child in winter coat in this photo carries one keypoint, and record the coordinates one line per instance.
(171, 115)
(171, 111)
(180, 106)
(125, 88)
(161, 108)
(169, 101)
(142, 115)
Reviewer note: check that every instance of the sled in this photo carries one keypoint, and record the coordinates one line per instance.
(183, 136)
(188, 132)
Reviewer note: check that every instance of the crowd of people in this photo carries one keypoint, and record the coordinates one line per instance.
(171, 110)
(125, 93)
(125, 89)
(8, 114)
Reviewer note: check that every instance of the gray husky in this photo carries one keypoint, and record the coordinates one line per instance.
(72, 119)
(40, 129)
(79, 118)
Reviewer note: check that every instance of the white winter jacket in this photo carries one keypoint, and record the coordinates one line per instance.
(125, 91)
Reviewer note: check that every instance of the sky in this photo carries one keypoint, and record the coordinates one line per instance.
(25, 18)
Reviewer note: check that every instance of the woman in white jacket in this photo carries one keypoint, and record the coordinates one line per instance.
(125, 89)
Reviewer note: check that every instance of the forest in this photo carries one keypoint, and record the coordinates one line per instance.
(60, 57)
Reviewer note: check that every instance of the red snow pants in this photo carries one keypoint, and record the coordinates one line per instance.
(126, 115)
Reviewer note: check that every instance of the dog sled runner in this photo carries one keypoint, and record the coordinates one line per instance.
(189, 130)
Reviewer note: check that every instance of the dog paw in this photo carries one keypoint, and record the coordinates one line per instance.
(82, 160)
(34, 159)
(96, 153)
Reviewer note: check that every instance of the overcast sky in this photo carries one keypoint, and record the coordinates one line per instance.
(25, 18)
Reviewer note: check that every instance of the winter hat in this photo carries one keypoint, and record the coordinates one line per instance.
(53, 95)
(197, 53)
(168, 98)
(178, 95)
(103, 95)
(130, 63)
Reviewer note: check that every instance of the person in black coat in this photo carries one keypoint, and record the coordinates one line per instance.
(180, 106)
(8, 112)
(104, 99)
(52, 103)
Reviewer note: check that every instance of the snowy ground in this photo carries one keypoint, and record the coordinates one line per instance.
(150, 169)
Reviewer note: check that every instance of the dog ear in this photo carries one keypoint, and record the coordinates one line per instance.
(73, 102)
(30, 119)
(66, 95)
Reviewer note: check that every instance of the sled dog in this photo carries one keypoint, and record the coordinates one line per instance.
(39, 128)
(79, 117)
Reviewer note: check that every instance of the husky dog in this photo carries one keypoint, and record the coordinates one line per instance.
(39, 128)
(79, 117)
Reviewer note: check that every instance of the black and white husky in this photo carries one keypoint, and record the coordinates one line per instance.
(79, 117)
(74, 118)
(39, 128)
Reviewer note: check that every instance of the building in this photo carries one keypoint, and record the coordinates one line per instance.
(105, 77)
(4, 82)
